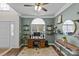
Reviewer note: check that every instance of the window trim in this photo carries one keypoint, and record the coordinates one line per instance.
(66, 25)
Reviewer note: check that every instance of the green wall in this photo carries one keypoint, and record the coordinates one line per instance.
(48, 21)
(70, 13)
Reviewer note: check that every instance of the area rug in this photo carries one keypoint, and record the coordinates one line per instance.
(49, 51)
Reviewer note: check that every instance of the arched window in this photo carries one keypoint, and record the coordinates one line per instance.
(38, 21)
(68, 27)
(38, 25)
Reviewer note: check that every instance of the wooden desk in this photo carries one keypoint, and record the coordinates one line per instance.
(31, 43)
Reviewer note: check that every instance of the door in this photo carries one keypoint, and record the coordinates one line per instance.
(4, 34)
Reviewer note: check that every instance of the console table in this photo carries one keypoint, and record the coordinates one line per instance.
(41, 43)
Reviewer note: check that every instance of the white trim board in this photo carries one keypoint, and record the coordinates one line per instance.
(14, 10)
(50, 43)
(65, 48)
(63, 8)
(42, 16)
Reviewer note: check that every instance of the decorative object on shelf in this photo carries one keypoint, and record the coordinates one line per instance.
(26, 27)
(26, 31)
(55, 27)
(59, 31)
(49, 33)
(59, 20)
(49, 29)
(25, 34)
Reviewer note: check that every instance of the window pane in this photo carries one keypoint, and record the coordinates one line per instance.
(68, 27)
(4, 6)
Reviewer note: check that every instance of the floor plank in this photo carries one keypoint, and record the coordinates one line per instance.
(2, 50)
(13, 52)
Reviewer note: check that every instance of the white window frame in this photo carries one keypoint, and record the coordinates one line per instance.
(4, 6)
(68, 27)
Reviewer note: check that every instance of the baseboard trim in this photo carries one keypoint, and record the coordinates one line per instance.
(50, 43)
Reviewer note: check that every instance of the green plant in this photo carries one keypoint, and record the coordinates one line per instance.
(65, 39)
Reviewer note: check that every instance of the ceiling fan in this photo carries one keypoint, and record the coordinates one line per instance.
(38, 6)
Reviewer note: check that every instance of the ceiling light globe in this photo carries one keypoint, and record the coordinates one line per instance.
(36, 7)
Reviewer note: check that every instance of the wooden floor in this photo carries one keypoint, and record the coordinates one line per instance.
(13, 52)
(2, 50)
(51, 51)
(48, 51)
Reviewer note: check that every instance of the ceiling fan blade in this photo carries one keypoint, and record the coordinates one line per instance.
(44, 9)
(37, 4)
(44, 3)
(29, 5)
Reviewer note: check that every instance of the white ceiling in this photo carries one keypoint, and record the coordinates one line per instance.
(52, 8)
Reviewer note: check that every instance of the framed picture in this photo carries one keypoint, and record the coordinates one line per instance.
(59, 19)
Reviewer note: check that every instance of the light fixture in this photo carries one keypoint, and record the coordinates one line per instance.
(37, 8)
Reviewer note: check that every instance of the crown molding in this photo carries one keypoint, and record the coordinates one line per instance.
(63, 9)
(14, 10)
(41, 16)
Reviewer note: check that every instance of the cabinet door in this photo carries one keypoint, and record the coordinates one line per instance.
(4, 34)
(42, 43)
(30, 43)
